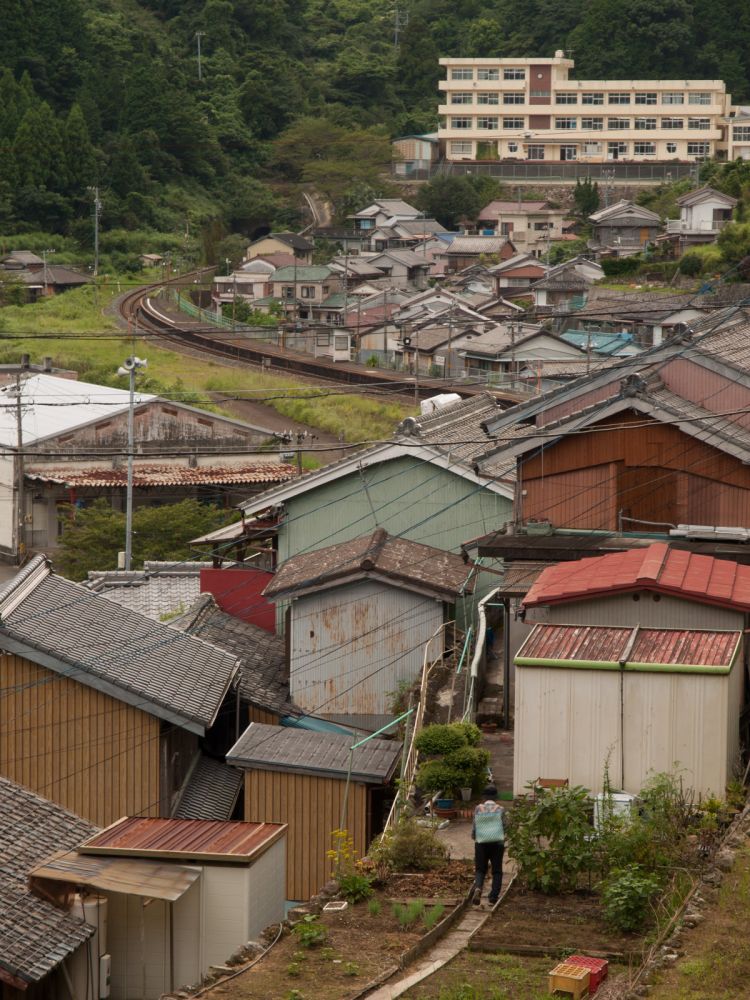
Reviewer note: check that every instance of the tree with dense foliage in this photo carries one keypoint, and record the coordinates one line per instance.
(586, 197)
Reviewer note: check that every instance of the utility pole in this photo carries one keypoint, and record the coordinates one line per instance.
(46, 273)
(198, 36)
(21, 498)
(400, 20)
(132, 364)
(447, 365)
(97, 214)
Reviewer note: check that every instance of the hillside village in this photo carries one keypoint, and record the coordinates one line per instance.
(232, 760)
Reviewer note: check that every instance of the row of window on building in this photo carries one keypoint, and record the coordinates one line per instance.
(596, 99)
(593, 124)
(615, 150)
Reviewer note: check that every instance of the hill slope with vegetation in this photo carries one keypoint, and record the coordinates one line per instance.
(107, 92)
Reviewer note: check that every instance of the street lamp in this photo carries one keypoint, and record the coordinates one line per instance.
(129, 368)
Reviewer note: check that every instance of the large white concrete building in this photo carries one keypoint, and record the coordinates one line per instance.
(530, 109)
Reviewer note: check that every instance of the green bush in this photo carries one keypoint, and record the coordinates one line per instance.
(355, 887)
(409, 847)
(626, 896)
(310, 932)
(691, 265)
(441, 739)
(615, 266)
(457, 761)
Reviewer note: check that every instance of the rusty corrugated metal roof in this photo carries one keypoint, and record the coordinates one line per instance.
(189, 838)
(659, 567)
(634, 648)
(166, 475)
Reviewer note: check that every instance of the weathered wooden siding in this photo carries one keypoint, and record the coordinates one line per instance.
(583, 498)
(312, 808)
(707, 388)
(260, 715)
(83, 749)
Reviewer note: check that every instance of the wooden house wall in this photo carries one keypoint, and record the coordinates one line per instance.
(311, 806)
(652, 473)
(709, 389)
(74, 745)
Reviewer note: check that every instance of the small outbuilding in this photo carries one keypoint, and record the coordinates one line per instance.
(311, 781)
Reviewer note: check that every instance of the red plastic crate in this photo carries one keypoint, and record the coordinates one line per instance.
(598, 967)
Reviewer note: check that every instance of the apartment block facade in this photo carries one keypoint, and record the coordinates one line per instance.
(530, 109)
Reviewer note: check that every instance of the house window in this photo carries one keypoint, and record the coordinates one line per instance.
(592, 124)
(568, 152)
(671, 147)
(307, 292)
(517, 98)
(699, 148)
(566, 123)
(460, 122)
(699, 123)
(595, 97)
(536, 152)
(489, 98)
(592, 148)
(539, 93)
(741, 133)
(673, 123)
(462, 73)
(699, 97)
(619, 97)
(542, 227)
(644, 148)
(645, 124)
(488, 74)
(672, 97)
(645, 97)
(618, 123)
(487, 121)
(511, 73)
(566, 97)
(287, 291)
(615, 150)
(461, 97)
(512, 147)
(461, 148)
(513, 122)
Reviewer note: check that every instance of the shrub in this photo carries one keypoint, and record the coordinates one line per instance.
(355, 887)
(550, 838)
(409, 846)
(691, 265)
(310, 932)
(407, 914)
(465, 767)
(441, 739)
(626, 896)
(615, 266)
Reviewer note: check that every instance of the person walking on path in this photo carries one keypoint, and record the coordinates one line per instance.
(488, 835)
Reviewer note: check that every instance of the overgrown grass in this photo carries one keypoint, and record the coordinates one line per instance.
(84, 338)
(480, 976)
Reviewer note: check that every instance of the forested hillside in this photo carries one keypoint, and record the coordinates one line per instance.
(107, 92)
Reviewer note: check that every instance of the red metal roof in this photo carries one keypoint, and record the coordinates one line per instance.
(184, 838)
(659, 568)
(166, 475)
(592, 644)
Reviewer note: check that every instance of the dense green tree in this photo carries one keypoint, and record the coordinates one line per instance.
(79, 159)
(586, 197)
(38, 149)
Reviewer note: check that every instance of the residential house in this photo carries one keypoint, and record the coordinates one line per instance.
(407, 234)
(738, 133)
(427, 467)
(105, 712)
(532, 225)
(649, 318)
(252, 280)
(169, 899)
(413, 155)
(565, 287)
(610, 345)
(521, 356)
(703, 214)
(40, 944)
(463, 251)
(39, 277)
(315, 783)
(530, 109)
(435, 348)
(381, 212)
(655, 440)
(181, 452)
(302, 290)
(647, 645)
(624, 228)
(516, 275)
(376, 600)
(403, 268)
(287, 243)
(161, 590)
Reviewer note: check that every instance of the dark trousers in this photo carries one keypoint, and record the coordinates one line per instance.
(484, 856)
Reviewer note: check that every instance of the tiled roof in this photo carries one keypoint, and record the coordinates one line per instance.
(35, 936)
(145, 476)
(632, 648)
(497, 208)
(291, 240)
(303, 272)
(476, 244)
(658, 568)
(263, 680)
(131, 657)
(398, 559)
(158, 590)
(275, 748)
(211, 792)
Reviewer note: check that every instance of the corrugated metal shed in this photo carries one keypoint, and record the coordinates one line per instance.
(659, 568)
(633, 648)
(204, 840)
(281, 749)
(130, 875)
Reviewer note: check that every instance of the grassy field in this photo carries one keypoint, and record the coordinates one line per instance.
(77, 333)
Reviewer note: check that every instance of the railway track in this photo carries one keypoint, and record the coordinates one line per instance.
(140, 309)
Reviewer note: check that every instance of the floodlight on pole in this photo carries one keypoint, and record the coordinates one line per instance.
(129, 367)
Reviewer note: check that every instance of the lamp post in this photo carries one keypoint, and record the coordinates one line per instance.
(129, 368)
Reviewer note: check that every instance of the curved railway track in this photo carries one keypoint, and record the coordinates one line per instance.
(139, 309)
